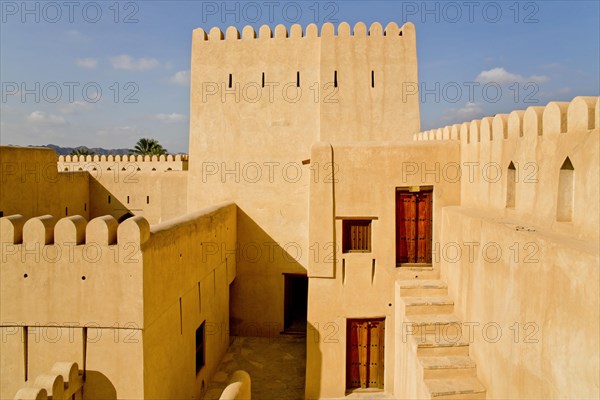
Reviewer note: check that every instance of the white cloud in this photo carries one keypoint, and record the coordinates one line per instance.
(503, 77)
(181, 78)
(42, 118)
(75, 107)
(87, 62)
(171, 118)
(469, 112)
(129, 63)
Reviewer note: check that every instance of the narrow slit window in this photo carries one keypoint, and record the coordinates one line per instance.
(298, 79)
(511, 185)
(372, 79)
(127, 199)
(230, 80)
(263, 79)
(67, 211)
(147, 199)
(200, 350)
(180, 317)
(84, 206)
(199, 298)
(109, 199)
(566, 192)
(335, 82)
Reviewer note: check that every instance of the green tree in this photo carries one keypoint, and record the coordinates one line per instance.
(82, 151)
(148, 147)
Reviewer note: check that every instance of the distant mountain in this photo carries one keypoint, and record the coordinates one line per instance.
(65, 151)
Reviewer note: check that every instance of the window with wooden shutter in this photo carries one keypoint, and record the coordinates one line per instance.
(356, 235)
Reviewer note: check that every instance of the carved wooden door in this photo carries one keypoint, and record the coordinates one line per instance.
(414, 212)
(365, 353)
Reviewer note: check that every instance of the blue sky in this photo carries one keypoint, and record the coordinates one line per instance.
(56, 55)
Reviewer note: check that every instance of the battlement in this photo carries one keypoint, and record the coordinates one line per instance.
(582, 113)
(123, 158)
(72, 231)
(535, 167)
(311, 31)
(131, 163)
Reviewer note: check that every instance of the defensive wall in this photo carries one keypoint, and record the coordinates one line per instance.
(124, 300)
(520, 254)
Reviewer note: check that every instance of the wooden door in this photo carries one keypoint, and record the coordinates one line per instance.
(414, 212)
(365, 353)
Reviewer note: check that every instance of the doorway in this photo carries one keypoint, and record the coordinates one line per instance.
(365, 350)
(414, 215)
(295, 304)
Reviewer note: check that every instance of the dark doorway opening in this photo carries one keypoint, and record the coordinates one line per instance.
(295, 304)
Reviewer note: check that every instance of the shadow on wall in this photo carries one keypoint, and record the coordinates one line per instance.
(103, 202)
(257, 293)
(98, 386)
(314, 362)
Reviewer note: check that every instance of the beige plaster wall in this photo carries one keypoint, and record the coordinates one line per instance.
(31, 186)
(156, 196)
(61, 276)
(364, 185)
(186, 282)
(251, 144)
(123, 284)
(533, 314)
(526, 282)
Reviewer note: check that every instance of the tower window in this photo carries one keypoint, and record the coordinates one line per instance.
(372, 79)
(230, 80)
(298, 79)
(335, 83)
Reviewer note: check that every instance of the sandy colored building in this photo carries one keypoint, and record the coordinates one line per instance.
(460, 262)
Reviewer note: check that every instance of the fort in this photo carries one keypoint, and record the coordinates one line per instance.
(449, 263)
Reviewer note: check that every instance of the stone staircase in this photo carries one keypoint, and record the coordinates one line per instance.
(442, 346)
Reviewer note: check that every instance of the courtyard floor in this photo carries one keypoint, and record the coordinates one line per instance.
(276, 366)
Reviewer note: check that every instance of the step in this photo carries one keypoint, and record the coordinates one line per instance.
(422, 287)
(428, 305)
(430, 347)
(445, 367)
(465, 388)
(416, 272)
(439, 326)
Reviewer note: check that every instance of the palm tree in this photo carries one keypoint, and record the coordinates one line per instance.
(82, 151)
(148, 147)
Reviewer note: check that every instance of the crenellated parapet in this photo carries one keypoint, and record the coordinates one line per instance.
(296, 31)
(327, 79)
(162, 163)
(538, 166)
(580, 114)
(62, 382)
(46, 230)
(75, 265)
